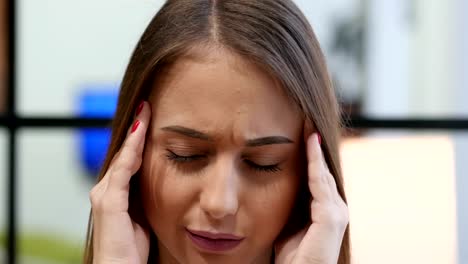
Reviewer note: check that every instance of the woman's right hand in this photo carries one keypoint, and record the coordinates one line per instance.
(116, 237)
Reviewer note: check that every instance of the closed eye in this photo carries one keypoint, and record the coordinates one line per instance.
(266, 168)
(182, 159)
(179, 159)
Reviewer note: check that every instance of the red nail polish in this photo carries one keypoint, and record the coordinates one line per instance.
(135, 126)
(140, 107)
(319, 138)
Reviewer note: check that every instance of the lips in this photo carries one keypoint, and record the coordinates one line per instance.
(214, 242)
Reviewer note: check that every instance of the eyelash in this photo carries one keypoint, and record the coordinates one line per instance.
(185, 159)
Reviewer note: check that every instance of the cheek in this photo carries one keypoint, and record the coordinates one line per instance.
(273, 205)
(166, 194)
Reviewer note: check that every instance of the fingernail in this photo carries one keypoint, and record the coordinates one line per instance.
(140, 107)
(135, 126)
(319, 138)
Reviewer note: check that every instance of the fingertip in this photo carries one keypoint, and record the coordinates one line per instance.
(140, 107)
(313, 146)
(308, 129)
(146, 110)
(141, 119)
(135, 126)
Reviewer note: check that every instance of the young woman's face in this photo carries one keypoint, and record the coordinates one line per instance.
(221, 162)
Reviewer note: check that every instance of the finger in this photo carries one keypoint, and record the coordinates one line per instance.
(97, 192)
(285, 251)
(317, 170)
(333, 187)
(142, 238)
(308, 129)
(129, 157)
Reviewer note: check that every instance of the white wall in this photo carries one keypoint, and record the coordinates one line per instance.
(434, 59)
(63, 43)
(387, 59)
(402, 210)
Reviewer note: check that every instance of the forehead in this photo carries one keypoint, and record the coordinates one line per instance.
(217, 89)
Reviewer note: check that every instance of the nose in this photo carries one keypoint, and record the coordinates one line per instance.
(219, 197)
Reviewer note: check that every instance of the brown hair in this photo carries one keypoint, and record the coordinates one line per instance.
(271, 33)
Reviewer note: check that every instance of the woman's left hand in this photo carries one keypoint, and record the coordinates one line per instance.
(319, 243)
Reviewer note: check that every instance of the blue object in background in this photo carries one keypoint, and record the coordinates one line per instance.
(96, 101)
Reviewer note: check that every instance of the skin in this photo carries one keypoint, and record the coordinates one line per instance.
(232, 102)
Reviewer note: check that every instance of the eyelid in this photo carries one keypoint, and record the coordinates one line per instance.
(265, 158)
(188, 159)
(185, 148)
(268, 168)
(185, 155)
(181, 146)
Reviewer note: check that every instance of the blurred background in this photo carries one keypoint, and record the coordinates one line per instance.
(399, 68)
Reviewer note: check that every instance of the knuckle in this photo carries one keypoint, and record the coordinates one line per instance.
(96, 203)
(124, 165)
(334, 215)
(128, 161)
(339, 216)
(345, 214)
(93, 200)
(327, 176)
(94, 195)
(315, 177)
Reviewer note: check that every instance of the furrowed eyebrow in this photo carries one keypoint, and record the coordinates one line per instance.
(185, 131)
(188, 132)
(268, 141)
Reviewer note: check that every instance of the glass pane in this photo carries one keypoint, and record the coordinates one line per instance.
(388, 58)
(3, 54)
(54, 184)
(395, 58)
(3, 191)
(405, 193)
(82, 55)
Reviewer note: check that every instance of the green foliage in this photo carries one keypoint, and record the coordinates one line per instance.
(47, 247)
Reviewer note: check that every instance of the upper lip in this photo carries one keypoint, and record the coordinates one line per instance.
(211, 235)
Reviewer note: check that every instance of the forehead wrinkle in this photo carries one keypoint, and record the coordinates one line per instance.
(231, 114)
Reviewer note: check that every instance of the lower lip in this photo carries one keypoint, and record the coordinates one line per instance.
(213, 245)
